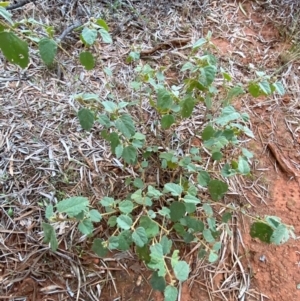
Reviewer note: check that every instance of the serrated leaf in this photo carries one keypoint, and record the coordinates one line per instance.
(226, 217)
(167, 121)
(203, 178)
(265, 87)
(129, 154)
(73, 206)
(138, 183)
(187, 106)
(213, 257)
(95, 216)
(177, 211)
(109, 106)
(104, 120)
(174, 189)
(157, 283)
(48, 50)
(102, 23)
(261, 231)
(217, 189)
(246, 153)
(112, 221)
(89, 35)
(49, 211)
(106, 37)
(139, 237)
(107, 201)
(143, 253)
(199, 43)
(86, 119)
(86, 227)
(50, 236)
(217, 246)
(113, 242)
(181, 271)
(279, 88)
(5, 14)
(194, 224)
(208, 74)
(243, 166)
(149, 225)
(87, 60)
(190, 199)
(208, 133)
(166, 244)
(217, 156)
(254, 89)
(14, 49)
(114, 140)
(164, 99)
(126, 206)
(170, 293)
(208, 210)
(124, 222)
(153, 192)
(208, 236)
(280, 235)
(228, 114)
(125, 240)
(99, 248)
(234, 92)
(119, 150)
(125, 125)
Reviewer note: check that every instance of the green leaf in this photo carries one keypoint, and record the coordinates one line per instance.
(181, 271)
(103, 24)
(254, 89)
(233, 92)
(86, 119)
(164, 99)
(87, 60)
(279, 88)
(73, 206)
(193, 223)
(49, 236)
(208, 210)
(174, 189)
(167, 121)
(125, 240)
(246, 153)
(226, 217)
(208, 74)
(153, 192)
(104, 120)
(129, 154)
(109, 106)
(112, 221)
(217, 156)
(174, 258)
(199, 43)
(114, 140)
(99, 248)
(208, 133)
(113, 242)
(138, 183)
(228, 114)
(177, 211)
(208, 236)
(49, 211)
(149, 225)
(124, 222)
(95, 216)
(86, 227)
(203, 178)
(126, 206)
(143, 253)
(106, 37)
(190, 199)
(139, 237)
(119, 150)
(107, 201)
(280, 235)
(170, 293)
(217, 246)
(157, 283)
(261, 231)
(5, 14)
(243, 166)
(89, 36)
(125, 125)
(166, 244)
(217, 189)
(15, 50)
(187, 106)
(48, 50)
(213, 257)
(265, 87)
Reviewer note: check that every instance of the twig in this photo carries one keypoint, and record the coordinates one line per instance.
(68, 30)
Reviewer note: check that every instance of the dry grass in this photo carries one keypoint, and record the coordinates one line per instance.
(45, 156)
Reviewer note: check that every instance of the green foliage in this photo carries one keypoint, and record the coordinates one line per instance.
(153, 212)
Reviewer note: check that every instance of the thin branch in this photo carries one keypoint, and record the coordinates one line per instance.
(19, 4)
